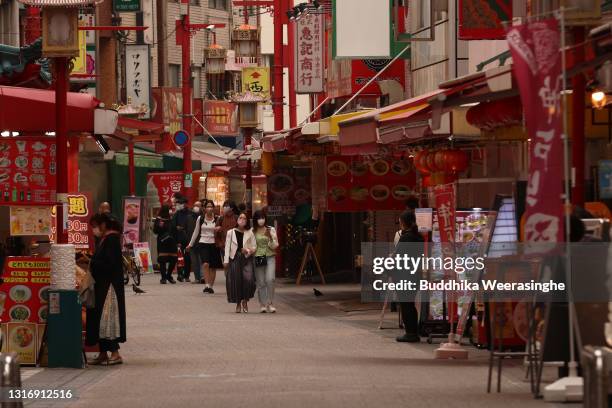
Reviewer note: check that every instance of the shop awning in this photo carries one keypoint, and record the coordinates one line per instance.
(33, 110)
(279, 141)
(143, 127)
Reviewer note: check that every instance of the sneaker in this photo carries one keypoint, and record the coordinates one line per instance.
(171, 280)
(408, 338)
(263, 309)
(162, 281)
(271, 309)
(211, 291)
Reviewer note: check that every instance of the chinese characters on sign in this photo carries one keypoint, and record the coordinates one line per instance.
(256, 80)
(445, 208)
(535, 51)
(137, 75)
(220, 118)
(309, 67)
(79, 211)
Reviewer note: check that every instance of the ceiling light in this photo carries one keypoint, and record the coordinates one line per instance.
(598, 98)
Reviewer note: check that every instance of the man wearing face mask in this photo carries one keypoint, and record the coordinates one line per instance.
(183, 221)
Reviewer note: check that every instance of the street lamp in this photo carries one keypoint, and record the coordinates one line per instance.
(245, 40)
(215, 56)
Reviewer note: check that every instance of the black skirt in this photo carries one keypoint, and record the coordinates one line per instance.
(210, 254)
(240, 281)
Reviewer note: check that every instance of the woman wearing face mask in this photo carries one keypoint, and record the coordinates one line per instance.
(106, 320)
(240, 245)
(226, 221)
(166, 245)
(204, 236)
(265, 261)
(196, 212)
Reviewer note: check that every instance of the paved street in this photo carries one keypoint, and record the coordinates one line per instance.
(189, 350)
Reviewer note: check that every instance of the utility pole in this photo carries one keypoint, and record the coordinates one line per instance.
(162, 44)
(186, 91)
(278, 99)
(291, 63)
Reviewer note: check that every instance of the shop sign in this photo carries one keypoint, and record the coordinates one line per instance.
(221, 118)
(24, 298)
(30, 220)
(354, 184)
(167, 108)
(138, 75)
(424, 219)
(256, 80)
(133, 211)
(535, 52)
(80, 61)
(472, 25)
(308, 54)
(80, 210)
(27, 169)
(162, 186)
(444, 196)
(126, 5)
(288, 188)
(364, 70)
(142, 252)
(147, 162)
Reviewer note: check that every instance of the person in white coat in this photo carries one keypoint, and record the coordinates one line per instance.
(240, 245)
(265, 261)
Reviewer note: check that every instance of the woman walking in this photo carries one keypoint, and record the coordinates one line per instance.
(166, 245)
(265, 261)
(106, 320)
(240, 245)
(204, 236)
(226, 221)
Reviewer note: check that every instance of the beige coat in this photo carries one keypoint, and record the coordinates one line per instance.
(231, 244)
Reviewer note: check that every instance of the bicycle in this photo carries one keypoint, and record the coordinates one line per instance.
(130, 267)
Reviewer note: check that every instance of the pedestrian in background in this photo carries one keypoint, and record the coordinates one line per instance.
(265, 261)
(226, 221)
(203, 240)
(166, 245)
(193, 255)
(240, 245)
(106, 323)
(183, 224)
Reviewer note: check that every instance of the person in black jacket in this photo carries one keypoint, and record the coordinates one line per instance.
(411, 243)
(107, 329)
(166, 244)
(183, 224)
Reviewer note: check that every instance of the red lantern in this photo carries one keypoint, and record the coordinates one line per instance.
(420, 162)
(427, 181)
(455, 161)
(439, 160)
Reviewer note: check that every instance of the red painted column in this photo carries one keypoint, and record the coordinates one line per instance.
(277, 99)
(578, 107)
(61, 141)
(186, 90)
(73, 164)
(291, 60)
(248, 133)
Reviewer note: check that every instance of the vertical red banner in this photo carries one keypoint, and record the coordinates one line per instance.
(444, 195)
(535, 51)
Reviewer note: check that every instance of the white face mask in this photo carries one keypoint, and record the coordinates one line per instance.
(226, 209)
(196, 209)
(241, 222)
(96, 231)
(261, 222)
(180, 206)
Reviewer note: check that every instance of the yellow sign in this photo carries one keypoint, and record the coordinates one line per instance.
(256, 80)
(80, 61)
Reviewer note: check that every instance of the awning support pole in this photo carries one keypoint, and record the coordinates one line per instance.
(61, 145)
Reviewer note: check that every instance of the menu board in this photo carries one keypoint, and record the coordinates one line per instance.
(27, 169)
(80, 210)
(288, 188)
(355, 184)
(143, 257)
(133, 208)
(30, 220)
(24, 298)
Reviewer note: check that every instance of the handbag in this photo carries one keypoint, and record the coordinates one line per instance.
(261, 261)
(87, 294)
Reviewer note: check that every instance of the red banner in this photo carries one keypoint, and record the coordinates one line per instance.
(483, 19)
(80, 210)
(535, 52)
(27, 169)
(356, 185)
(220, 118)
(444, 195)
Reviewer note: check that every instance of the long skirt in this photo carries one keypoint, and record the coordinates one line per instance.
(240, 282)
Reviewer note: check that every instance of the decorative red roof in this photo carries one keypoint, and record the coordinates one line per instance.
(60, 3)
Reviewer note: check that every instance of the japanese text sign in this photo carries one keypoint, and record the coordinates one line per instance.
(80, 210)
(137, 75)
(535, 52)
(309, 54)
(256, 80)
(445, 208)
(220, 118)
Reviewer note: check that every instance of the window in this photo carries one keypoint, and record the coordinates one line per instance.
(174, 72)
(421, 13)
(217, 4)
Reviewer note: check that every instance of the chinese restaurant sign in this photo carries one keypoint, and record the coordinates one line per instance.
(162, 186)
(288, 188)
(256, 80)
(356, 185)
(309, 63)
(482, 19)
(137, 75)
(167, 107)
(126, 5)
(535, 52)
(220, 118)
(444, 195)
(27, 169)
(80, 210)
(24, 298)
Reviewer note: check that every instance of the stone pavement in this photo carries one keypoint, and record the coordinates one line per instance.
(185, 349)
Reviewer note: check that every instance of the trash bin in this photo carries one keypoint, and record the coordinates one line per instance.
(64, 330)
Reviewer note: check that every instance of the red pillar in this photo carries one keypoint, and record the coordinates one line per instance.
(578, 107)
(131, 168)
(61, 141)
(73, 164)
(186, 90)
(291, 60)
(277, 99)
(248, 133)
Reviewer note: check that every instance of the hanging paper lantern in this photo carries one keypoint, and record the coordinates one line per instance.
(439, 159)
(267, 163)
(427, 181)
(420, 162)
(455, 161)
